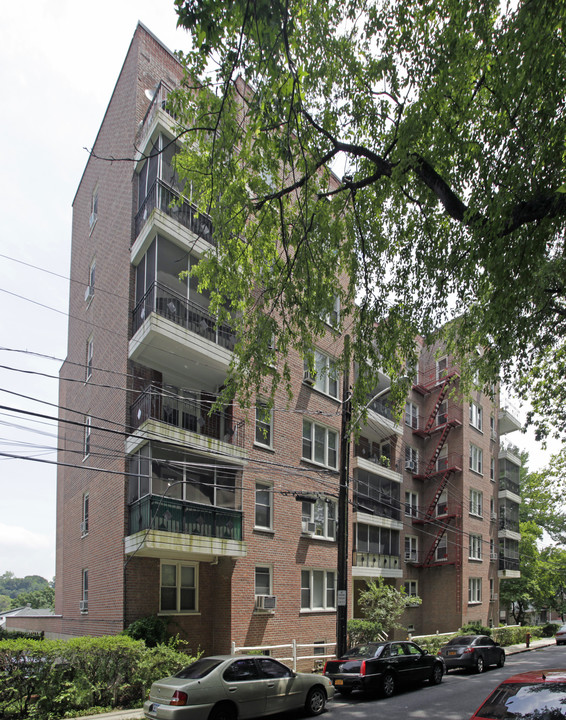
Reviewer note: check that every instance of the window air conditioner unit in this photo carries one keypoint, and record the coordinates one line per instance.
(494, 596)
(493, 556)
(265, 602)
(83, 528)
(410, 556)
(83, 606)
(410, 465)
(308, 377)
(493, 516)
(89, 293)
(309, 527)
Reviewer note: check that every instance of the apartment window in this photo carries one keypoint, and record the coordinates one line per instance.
(492, 550)
(318, 590)
(89, 292)
(411, 459)
(84, 522)
(93, 208)
(441, 368)
(84, 592)
(264, 425)
(411, 588)
(442, 413)
(492, 469)
(475, 547)
(476, 459)
(376, 540)
(263, 580)
(89, 356)
(442, 504)
(442, 548)
(474, 590)
(411, 548)
(321, 517)
(476, 501)
(411, 415)
(492, 429)
(411, 503)
(178, 591)
(476, 416)
(320, 444)
(87, 433)
(442, 460)
(325, 374)
(263, 506)
(333, 317)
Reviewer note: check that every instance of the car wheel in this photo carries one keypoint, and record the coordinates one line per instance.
(436, 675)
(480, 665)
(388, 684)
(501, 660)
(316, 701)
(223, 711)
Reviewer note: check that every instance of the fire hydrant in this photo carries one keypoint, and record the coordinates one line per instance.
(528, 639)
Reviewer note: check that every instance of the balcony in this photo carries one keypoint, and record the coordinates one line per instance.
(509, 567)
(380, 424)
(509, 489)
(186, 412)
(366, 564)
(162, 196)
(157, 107)
(388, 507)
(508, 419)
(161, 526)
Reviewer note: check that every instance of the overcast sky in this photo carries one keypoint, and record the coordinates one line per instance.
(59, 61)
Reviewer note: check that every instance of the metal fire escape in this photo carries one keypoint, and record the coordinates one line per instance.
(433, 472)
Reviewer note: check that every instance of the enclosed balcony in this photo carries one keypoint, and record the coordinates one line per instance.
(377, 551)
(509, 561)
(375, 494)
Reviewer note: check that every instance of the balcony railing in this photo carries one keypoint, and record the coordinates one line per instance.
(380, 408)
(171, 202)
(387, 508)
(167, 303)
(158, 102)
(376, 560)
(509, 524)
(167, 405)
(506, 483)
(156, 512)
(508, 563)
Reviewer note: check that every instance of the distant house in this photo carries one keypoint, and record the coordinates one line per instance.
(27, 611)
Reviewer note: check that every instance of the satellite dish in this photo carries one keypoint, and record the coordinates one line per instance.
(149, 94)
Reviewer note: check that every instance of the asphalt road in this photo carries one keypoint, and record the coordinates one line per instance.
(456, 698)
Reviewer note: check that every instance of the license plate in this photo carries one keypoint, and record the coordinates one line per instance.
(452, 652)
(339, 682)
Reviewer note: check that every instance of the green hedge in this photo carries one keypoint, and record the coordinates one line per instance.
(505, 636)
(56, 678)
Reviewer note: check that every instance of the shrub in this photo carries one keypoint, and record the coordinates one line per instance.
(515, 635)
(433, 643)
(550, 629)
(362, 631)
(152, 630)
(475, 628)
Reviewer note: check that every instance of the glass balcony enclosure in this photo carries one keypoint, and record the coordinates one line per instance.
(376, 495)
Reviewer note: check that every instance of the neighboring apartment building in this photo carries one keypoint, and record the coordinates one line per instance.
(226, 524)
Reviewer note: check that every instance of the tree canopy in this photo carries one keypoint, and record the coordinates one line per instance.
(444, 124)
(542, 494)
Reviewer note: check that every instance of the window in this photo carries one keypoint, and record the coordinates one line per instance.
(492, 550)
(178, 592)
(89, 292)
(442, 414)
(320, 444)
(474, 590)
(84, 592)
(325, 374)
(333, 317)
(442, 460)
(263, 584)
(411, 588)
(492, 469)
(476, 416)
(263, 506)
(89, 356)
(441, 368)
(476, 459)
(93, 208)
(442, 504)
(87, 432)
(492, 429)
(476, 499)
(376, 540)
(442, 548)
(411, 548)
(318, 590)
(263, 425)
(411, 503)
(475, 547)
(411, 459)
(411, 415)
(321, 516)
(84, 522)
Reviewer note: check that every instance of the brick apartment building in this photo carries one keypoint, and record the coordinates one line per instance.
(226, 523)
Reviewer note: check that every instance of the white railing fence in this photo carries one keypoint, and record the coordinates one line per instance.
(295, 649)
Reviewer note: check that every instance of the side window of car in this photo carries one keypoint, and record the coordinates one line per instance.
(396, 649)
(412, 649)
(271, 668)
(241, 670)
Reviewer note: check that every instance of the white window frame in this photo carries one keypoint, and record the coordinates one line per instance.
(327, 592)
(324, 515)
(326, 379)
(87, 435)
(476, 502)
(474, 591)
(411, 588)
(84, 590)
(442, 504)
(313, 430)
(442, 549)
(476, 416)
(263, 425)
(412, 456)
(85, 514)
(442, 413)
(333, 317)
(178, 587)
(411, 503)
(89, 358)
(265, 570)
(411, 548)
(492, 469)
(93, 208)
(411, 415)
(476, 459)
(475, 547)
(441, 368)
(261, 490)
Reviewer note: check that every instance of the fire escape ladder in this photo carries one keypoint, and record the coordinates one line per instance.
(435, 544)
(429, 515)
(443, 390)
(437, 450)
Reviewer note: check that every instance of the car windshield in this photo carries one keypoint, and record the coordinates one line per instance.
(199, 669)
(368, 651)
(514, 701)
(462, 640)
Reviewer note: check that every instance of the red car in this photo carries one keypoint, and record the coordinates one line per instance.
(532, 695)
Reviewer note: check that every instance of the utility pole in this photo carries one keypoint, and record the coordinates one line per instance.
(342, 574)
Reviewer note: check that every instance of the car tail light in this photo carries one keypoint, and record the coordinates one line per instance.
(179, 698)
(325, 666)
(363, 668)
(468, 650)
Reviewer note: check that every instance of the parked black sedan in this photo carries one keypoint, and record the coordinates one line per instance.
(383, 667)
(475, 652)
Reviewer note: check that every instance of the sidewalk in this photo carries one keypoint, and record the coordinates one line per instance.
(137, 714)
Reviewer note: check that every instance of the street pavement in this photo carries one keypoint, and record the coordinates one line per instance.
(137, 713)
